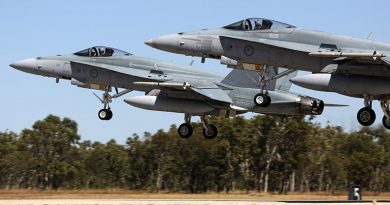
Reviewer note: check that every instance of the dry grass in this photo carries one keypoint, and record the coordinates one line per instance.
(126, 194)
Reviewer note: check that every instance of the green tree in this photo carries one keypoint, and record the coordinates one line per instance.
(50, 145)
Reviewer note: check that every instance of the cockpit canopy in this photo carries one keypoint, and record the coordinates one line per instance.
(253, 24)
(101, 51)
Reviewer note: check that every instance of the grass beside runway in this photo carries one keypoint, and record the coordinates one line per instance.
(126, 194)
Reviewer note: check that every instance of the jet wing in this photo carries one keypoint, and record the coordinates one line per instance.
(213, 92)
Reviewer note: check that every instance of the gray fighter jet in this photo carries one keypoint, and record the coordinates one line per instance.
(349, 66)
(169, 87)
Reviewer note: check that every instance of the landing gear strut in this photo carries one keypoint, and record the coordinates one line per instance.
(366, 116)
(106, 113)
(263, 99)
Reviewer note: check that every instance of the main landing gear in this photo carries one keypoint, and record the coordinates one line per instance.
(366, 116)
(185, 130)
(106, 113)
(386, 110)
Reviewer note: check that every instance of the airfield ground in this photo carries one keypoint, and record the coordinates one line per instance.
(124, 197)
(126, 194)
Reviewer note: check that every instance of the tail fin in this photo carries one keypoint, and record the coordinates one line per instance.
(250, 79)
(284, 83)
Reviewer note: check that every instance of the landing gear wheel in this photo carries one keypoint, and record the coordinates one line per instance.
(262, 100)
(185, 130)
(386, 122)
(366, 116)
(268, 101)
(109, 117)
(211, 132)
(105, 114)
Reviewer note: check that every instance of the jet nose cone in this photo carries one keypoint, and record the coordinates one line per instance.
(13, 65)
(165, 43)
(150, 43)
(26, 65)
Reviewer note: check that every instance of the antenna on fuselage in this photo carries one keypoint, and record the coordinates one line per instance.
(369, 37)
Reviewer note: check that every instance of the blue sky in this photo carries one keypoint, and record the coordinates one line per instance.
(43, 28)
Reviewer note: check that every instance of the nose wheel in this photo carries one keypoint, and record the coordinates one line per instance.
(263, 100)
(105, 114)
(106, 99)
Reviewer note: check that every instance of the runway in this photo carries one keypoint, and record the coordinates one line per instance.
(177, 202)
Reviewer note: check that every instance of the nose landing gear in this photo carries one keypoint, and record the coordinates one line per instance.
(263, 99)
(106, 113)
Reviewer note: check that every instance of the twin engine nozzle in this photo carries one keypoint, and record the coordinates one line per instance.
(311, 106)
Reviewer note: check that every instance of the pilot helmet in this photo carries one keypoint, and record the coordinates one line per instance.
(102, 50)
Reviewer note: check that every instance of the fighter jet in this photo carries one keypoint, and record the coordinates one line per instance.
(342, 64)
(169, 87)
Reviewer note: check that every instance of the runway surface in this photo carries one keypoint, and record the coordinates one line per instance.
(177, 202)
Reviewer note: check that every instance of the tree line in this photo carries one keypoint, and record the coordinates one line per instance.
(264, 154)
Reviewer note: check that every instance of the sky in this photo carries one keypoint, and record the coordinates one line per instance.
(45, 28)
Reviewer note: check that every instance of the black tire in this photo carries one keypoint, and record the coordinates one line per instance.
(268, 101)
(185, 130)
(386, 122)
(105, 114)
(366, 116)
(109, 116)
(262, 100)
(211, 132)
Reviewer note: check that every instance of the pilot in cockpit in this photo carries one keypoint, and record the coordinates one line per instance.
(257, 25)
(266, 25)
(102, 51)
